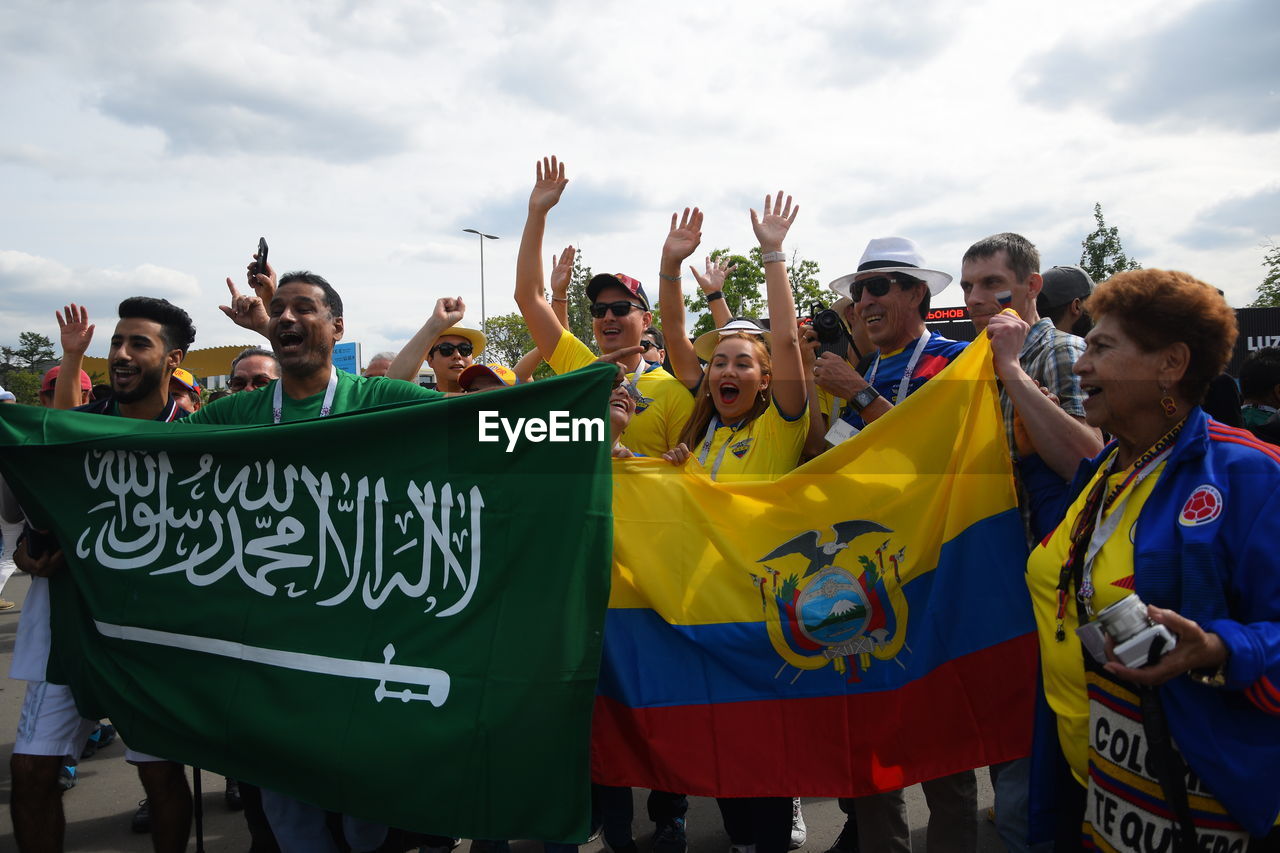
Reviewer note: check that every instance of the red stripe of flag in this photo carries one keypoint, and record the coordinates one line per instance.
(969, 712)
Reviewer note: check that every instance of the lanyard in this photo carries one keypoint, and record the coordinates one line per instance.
(1090, 532)
(645, 367)
(706, 444)
(1104, 528)
(907, 373)
(277, 402)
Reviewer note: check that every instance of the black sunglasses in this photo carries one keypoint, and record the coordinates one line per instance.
(447, 349)
(879, 286)
(620, 308)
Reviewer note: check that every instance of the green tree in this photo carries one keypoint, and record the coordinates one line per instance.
(1269, 290)
(24, 385)
(805, 286)
(508, 339)
(579, 309)
(744, 289)
(1103, 256)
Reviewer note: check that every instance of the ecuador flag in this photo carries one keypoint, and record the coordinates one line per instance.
(856, 626)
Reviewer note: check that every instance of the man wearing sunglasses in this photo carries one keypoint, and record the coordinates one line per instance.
(447, 354)
(890, 295)
(620, 313)
(252, 369)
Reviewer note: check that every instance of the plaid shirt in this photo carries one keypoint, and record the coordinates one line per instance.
(1048, 356)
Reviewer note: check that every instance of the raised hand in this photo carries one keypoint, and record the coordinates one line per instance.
(548, 187)
(771, 228)
(262, 280)
(75, 329)
(717, 271)
(684, 236)
(562, 271)
(245, 311)
(449, 310)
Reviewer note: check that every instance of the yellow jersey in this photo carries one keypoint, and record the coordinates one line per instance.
(761, 449)
(662, 411)
(1063, 662)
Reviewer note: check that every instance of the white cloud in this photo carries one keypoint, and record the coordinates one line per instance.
(360, 138)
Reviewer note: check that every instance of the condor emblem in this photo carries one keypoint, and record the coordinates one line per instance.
(1204, 505)
(821, 613)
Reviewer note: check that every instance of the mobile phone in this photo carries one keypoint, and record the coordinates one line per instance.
(262, 255)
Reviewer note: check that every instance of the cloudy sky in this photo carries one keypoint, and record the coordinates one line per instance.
(144, 147)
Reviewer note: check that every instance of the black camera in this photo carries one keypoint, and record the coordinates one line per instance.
(832, 335)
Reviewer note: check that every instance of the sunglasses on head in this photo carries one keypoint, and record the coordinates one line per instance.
(620, 308)
(446, 350)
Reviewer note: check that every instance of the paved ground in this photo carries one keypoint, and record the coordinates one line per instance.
(99, 808)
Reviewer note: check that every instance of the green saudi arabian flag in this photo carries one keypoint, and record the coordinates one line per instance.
(376, 612)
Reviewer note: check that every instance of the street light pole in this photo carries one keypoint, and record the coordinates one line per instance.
(483, 236)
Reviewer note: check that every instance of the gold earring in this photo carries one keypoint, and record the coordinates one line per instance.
(1167, 403)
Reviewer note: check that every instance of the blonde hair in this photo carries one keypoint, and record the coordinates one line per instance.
(705, 408)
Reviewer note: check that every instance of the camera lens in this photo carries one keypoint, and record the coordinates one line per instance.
(1125, 618)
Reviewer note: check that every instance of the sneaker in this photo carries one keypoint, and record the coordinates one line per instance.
(232, 795)
(798, 830)
(142, 818)
(848, 840)
(6, 604)
(67, 778)
(102, 736)
(669, 836)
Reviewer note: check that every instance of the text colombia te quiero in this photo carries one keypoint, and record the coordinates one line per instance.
(558, 426)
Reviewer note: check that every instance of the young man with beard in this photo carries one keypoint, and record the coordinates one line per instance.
(620, 313)
(149, 342)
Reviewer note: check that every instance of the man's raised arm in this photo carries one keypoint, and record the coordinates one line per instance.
(408, 362)
(77, 334)
(537, 312)
(682, 240)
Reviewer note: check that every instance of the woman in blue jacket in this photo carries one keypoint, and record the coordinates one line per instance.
(1182, 751)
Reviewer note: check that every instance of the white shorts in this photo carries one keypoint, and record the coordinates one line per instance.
(50, 724)
(134, 757)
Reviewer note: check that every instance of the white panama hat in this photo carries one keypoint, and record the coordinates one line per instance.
(706, 343)
(890, 255)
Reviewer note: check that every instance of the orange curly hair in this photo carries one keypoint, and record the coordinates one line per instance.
(1160, 307)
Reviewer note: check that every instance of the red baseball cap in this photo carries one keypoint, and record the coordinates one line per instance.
(46, 385)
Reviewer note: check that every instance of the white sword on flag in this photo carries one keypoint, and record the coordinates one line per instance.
(435, 680)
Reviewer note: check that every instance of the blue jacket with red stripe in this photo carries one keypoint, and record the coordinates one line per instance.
(1207, 545)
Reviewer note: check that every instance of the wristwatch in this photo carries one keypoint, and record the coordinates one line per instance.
(863, 398)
